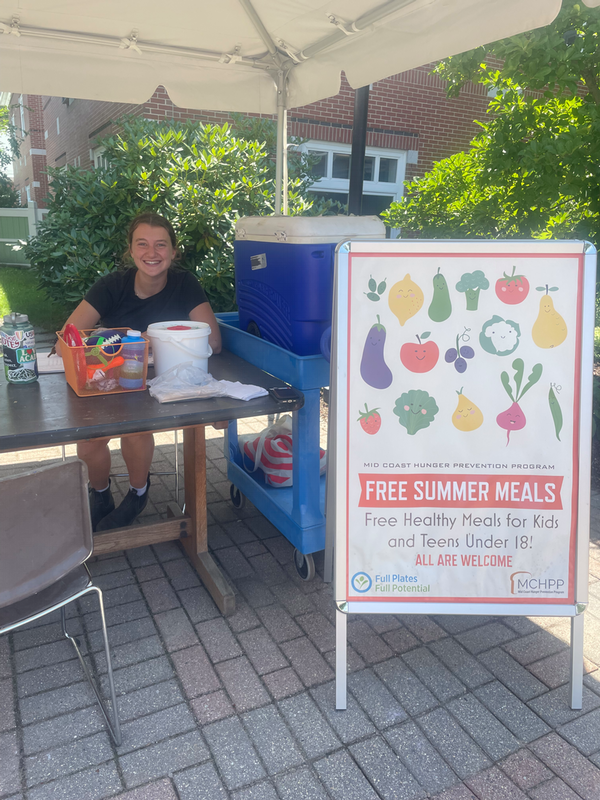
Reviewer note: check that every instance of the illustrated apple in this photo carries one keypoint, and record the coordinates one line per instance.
(512, 289)
(421, 357)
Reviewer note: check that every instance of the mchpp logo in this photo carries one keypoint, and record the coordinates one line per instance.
(361, 582)
(525, 583)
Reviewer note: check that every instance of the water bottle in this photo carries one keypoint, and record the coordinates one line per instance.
(18, 345)
(132, 371)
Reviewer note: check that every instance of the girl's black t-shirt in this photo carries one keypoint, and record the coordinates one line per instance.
(113, 296)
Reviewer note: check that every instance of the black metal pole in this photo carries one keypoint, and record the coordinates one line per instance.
(359, 141)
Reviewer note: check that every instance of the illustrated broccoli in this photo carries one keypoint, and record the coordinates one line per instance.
(471, 283)
(415, 410)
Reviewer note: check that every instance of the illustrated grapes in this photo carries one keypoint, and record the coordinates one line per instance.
(457, 355)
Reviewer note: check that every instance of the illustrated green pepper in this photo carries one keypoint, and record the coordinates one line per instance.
(557, 416)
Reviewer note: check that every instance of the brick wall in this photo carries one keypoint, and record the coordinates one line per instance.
(74, 127)
(29, 170)
(409, 111)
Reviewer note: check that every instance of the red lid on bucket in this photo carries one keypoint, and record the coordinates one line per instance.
(179, 328)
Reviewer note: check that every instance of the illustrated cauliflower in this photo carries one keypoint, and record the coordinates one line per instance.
(499, 336)
(471, 283)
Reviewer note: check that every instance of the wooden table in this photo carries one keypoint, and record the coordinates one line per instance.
(49, 413)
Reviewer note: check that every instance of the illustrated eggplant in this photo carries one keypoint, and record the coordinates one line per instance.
(373, 368)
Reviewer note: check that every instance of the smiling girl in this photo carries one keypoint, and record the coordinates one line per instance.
(153, 290)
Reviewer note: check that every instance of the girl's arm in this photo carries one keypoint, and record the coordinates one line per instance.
(84, 317)
(204, 313)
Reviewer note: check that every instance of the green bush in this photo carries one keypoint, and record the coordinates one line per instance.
(9, 197)
(201, 177)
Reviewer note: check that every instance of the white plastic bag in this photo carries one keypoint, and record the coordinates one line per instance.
(187, 382)
(272, 451)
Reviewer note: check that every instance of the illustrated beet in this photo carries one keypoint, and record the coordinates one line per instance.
(373, 368)
(513, 419)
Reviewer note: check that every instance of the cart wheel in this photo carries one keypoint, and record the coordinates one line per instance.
(253, 329)
(237, 498)
(305, 565)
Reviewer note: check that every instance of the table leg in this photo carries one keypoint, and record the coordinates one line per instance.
(196, 544)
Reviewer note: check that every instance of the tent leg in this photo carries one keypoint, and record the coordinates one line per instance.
(357, 158)
(281, 171)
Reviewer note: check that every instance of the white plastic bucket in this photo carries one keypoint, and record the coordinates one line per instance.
(172, 347)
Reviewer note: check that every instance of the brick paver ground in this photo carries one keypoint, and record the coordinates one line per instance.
(452, 708)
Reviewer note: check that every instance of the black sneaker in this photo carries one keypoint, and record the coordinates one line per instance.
(128, 509)
(101, 504)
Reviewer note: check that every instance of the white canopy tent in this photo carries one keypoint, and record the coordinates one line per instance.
(260, 56)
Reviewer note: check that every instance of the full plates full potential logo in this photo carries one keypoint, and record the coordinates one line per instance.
(361, 582)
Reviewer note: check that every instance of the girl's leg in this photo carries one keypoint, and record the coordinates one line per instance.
(95, 453)
(137, 453)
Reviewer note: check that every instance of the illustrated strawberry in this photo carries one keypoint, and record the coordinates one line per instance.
(370, 421)
(512, 289)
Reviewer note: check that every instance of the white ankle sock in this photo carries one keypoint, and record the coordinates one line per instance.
(140, 492)
(106, 488)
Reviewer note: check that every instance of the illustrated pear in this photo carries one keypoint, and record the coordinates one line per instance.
(466, 416)
(549, 329)
(405, 299)
(441, 305)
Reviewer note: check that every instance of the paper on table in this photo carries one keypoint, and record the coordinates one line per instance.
(49, 363)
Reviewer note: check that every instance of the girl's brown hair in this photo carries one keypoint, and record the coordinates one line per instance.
(155, 221)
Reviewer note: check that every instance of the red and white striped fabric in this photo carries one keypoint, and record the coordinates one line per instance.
(272, 452)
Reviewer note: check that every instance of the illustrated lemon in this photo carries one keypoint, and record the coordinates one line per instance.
(466, 416)
(405, 299)
(549, 329)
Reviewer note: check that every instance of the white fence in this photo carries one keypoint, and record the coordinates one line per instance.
(16, 225)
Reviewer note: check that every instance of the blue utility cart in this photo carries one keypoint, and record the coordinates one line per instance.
(298, 511)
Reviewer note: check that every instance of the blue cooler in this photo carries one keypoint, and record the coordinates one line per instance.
(284, 275)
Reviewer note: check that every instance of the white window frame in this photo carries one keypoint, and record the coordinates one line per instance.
(342, 185)
(98, 157)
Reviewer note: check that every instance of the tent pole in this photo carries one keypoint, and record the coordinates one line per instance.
(281, 171)
(357, 158)
(284, 171)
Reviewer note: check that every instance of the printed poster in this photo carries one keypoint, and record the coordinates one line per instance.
(462, 409)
